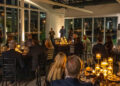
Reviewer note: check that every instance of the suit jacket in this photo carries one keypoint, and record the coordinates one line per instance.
(69, 82)
(13, 54)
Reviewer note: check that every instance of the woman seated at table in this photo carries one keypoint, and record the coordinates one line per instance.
(58, 68)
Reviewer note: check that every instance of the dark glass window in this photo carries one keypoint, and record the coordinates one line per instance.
(12, 22)
(26, 21)
(87, 30)
(11, 2)
(98, 28)
(33, 7)
(111, 28)
(2, 1)
(42, 25)
(26, 5)
(34, 24)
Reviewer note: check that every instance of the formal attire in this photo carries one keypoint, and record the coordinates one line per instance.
(69, 82)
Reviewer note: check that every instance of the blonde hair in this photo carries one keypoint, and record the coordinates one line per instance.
(49, 44)
(58, 67)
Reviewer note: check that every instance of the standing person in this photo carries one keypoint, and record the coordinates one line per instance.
(72, 71)
(52, 33)
(62, 32)
(99, 48)
(109, 45)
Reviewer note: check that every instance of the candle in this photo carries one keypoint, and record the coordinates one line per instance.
(98, 56)
(110, 59)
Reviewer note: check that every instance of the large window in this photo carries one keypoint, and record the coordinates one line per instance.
(78, 26)
(68, 25)
(11, 2)
(111, 28)
(1, 1)
(34, 24)
(42, 25)
(98, 28)
(12, 22)
(88, 28)
(26, 21)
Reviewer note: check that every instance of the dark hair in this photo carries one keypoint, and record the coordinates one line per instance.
(73, 65)
(100, 38)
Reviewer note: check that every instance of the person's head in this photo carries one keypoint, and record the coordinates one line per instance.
(51, 28)
(100, 39)
(62, 27)
(29, 36)
(57, 69)
(73, 66)
(12, 44)
(84, 37)
(109, 39)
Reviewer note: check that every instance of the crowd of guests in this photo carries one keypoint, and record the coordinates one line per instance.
(62, 69)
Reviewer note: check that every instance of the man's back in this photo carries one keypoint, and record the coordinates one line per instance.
(69, 82)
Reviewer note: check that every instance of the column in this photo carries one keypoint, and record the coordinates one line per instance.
(118, 31)
(82, 28)
(5, 34)
(92, 30)
(104, 29)
(29, 19)
(22, 21)
(39, 25)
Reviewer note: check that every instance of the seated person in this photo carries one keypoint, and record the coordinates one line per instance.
(72, 71)
(57, 69)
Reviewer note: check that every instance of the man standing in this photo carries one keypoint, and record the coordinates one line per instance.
(72, 70)
(52, 33)
(62, 32)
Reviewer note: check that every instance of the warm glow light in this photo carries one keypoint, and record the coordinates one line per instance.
(98, 56)
(110, 59)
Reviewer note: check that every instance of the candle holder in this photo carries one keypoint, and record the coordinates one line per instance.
(98, 57)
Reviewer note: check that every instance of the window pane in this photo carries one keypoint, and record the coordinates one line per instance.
(78, 26)
(98, 27)
(42, 25)
(33, 7)
(68, 25)
(12, 22)
(26, 5)
(34, 24)
(2, 24)
(2, 1)
(111, 28)
(88, 28)
(26, 21)
(11, 2)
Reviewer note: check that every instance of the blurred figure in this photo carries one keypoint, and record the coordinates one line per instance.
(49, 44)
(52, 33)
(72, 71)
(36, 51)
(57, 69)
(79, 47)
(62, 32)
(99, 48)
(87, 44)
(109, 46)
(11, 53)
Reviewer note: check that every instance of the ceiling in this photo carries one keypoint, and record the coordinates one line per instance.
(83, 3)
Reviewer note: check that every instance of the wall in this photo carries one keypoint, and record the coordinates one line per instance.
(55, 21)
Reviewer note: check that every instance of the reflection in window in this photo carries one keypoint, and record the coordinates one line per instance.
(88, 28)
(2, 1)
(98, 27)
(78, 26)
(11, 2)
(42, 25)
(2, 22)
(26, 21)
(34, 24)
(111, 28)
(12, 22)
(68, 25)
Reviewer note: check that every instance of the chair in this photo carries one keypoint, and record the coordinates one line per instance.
(9, 71)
